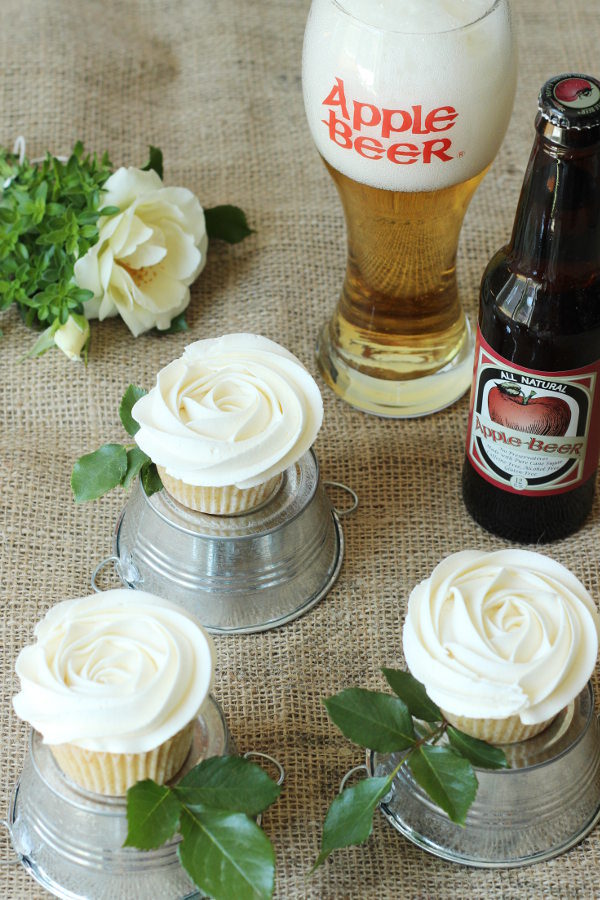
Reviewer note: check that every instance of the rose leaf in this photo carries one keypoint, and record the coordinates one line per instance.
(479, 753)
(228, 782)
(349, 819)
(128, 401)
(150, 478)
(413, 693)
(446, 777)
(96, 473)
(226, 854)
(155, 161)
(152, 815)
(372, 719)
(226, 223)
(136, 458)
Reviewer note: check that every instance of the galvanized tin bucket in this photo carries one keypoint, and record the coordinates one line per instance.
(242, 573)
(71, 840)
(540, 807)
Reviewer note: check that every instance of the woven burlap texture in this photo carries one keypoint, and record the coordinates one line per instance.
(217, 87)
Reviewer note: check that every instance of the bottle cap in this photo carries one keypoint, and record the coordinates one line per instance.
(571, 102)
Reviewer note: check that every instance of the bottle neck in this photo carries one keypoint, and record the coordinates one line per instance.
(556, 235)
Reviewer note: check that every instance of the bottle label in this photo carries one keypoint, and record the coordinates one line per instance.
(532, 432)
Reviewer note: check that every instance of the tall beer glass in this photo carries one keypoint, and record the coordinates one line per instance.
(407, 102)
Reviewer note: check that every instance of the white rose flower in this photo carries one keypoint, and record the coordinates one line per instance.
(147, 255)
(72, 337)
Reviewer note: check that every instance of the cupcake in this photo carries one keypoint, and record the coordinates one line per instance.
(113, 683)
(226, 419)
(502, 641)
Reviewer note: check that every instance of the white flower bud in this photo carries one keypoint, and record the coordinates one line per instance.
(72, 336)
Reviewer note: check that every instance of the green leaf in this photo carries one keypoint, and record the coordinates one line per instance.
(413, 693)
(155, 161)
(178, 324)
(136, 458)
(226, 854)
(479, 753)
(349, 819)
(96, 473)
(227, 223)
(43, 343)
(81, 295)
(446, 777)
(128, 401)
(109, 211)
(372, 719)
(150, 478)
(228, 782)
(152, 815)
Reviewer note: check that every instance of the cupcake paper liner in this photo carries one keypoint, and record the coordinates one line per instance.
(114, 773)
(218, 501)
(497, 731)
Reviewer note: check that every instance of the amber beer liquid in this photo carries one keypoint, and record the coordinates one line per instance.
(394, 99)
(534, 425)
(399, 301)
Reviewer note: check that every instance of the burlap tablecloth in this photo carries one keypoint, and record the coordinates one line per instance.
(217, 87)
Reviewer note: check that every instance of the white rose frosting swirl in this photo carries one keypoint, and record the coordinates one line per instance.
(493, 635)
(121, 671)
(236, 410)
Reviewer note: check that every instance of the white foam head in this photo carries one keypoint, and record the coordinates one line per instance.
(416, 16)
(409, 95)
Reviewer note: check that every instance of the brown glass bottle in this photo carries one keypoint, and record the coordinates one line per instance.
(532, 442)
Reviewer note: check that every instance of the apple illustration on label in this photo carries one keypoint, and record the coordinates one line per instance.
(509, 406)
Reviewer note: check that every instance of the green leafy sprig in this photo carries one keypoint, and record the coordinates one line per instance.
(111, 465)
(213, 808)
(48, 218)
(385, 723)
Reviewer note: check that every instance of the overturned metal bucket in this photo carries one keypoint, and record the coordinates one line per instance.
(544, 804)
(71, 840)
(242, 573)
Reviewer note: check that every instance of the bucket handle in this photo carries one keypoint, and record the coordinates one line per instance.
(343, 487)
(98, 569)
(363, 767)
(125, 569)
(275, 762)
(18, 856)
(348, 775)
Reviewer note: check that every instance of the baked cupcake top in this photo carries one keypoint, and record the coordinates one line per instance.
(121, 671)
(236, 410)
(492, 635)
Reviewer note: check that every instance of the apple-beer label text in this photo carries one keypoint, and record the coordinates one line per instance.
(529, 444)
(372, 131)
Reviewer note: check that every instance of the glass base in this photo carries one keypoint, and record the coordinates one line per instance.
(392, 398)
